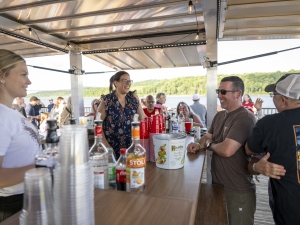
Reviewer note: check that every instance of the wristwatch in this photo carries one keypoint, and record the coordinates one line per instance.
(208, 145)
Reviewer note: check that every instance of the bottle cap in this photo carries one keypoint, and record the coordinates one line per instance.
(123, 151)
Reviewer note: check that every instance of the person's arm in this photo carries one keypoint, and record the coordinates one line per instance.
(226, 148)
(12, 176)
(197, 121)
(263, 166)
(140, 110)
(194, 147)
(101, 109)
(258, 106)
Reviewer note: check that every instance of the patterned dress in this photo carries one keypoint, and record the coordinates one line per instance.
(117, 123)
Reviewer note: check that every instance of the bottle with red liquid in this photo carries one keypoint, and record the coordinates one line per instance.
(121, 171)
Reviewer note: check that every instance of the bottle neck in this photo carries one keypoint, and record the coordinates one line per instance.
(98, 139)
(136, 141)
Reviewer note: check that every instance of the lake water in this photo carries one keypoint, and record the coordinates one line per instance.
(172, 101)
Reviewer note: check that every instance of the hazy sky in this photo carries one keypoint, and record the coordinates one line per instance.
(47, 80)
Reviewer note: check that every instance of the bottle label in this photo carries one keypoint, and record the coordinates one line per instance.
(135, 162)
(174, 127)
(98, 131)
(121, 175)
(135, 171)
(99, 179)
(112, 172)
(135, 132)
(137, 177)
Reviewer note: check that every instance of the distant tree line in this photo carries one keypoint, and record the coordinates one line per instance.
(254, 84)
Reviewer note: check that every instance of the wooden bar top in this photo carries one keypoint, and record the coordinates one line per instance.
(171, 197)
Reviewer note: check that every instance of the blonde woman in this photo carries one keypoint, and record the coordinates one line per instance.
(57, 109)
(19, 138)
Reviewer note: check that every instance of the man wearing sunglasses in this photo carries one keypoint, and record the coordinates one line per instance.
(278, 135)
(226, 138)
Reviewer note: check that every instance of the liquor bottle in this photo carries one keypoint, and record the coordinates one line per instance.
(180, 120)
(48, 157)
(99, 158)
(111, 169)
(174, 125)
(135, 161)
(167, 122)
(121, 171)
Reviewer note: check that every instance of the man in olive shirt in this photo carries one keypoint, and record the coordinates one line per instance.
(226, 137)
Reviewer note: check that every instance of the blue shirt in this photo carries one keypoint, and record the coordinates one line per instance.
(30, 112)
(50, 106)
(117, 123)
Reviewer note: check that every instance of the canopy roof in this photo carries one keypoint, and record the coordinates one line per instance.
(130, 34)
(138, 30)
(258, 19)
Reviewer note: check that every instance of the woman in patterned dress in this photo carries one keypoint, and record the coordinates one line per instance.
(117, 110)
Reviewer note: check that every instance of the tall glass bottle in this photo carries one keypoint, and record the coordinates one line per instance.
(111, 169)
(99, 158)
(48, 157)
(135, 161)
(181, 120)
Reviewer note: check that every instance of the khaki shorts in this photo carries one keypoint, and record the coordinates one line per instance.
(241, 207)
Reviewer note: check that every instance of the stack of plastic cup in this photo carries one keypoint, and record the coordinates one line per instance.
(144, 136)
(73, 181)
(38, 201)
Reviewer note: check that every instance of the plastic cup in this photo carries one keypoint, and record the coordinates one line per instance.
(38, 200)
(73, 146)
(188, 126)
(91, 121)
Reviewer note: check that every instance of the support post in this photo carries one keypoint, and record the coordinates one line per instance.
(76, 83)
(210, 21)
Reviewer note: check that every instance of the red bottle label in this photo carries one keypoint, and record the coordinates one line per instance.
(121, 175)
(98, 130)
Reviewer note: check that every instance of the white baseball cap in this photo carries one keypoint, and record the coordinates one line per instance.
(288, 86)
(196, 97)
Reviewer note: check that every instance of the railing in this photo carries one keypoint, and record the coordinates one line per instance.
(266, 111)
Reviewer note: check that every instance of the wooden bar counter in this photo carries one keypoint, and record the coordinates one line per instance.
(171, 197)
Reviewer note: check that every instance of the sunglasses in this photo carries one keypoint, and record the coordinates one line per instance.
(150, 101)
(223, 92)
(125, 81)
(97, 104)
(272, 94)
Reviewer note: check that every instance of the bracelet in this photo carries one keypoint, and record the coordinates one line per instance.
(253, 167)
(198, 145)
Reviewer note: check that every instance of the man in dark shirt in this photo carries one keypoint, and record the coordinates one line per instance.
(51, 104)
(30, 112)
(278, 135)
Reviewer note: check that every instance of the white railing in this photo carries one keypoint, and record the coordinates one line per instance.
(266, 111)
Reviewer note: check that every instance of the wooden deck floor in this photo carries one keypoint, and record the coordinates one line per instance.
(263, 214)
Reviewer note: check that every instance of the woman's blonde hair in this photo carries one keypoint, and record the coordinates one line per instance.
(57, 102)
(44, 116)
(8, 60)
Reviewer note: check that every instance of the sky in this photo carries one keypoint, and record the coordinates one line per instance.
(227, 50)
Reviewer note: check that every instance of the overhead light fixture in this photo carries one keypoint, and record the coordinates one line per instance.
(190, 9)
(119, 50)
(30, 31)
(197, 36)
